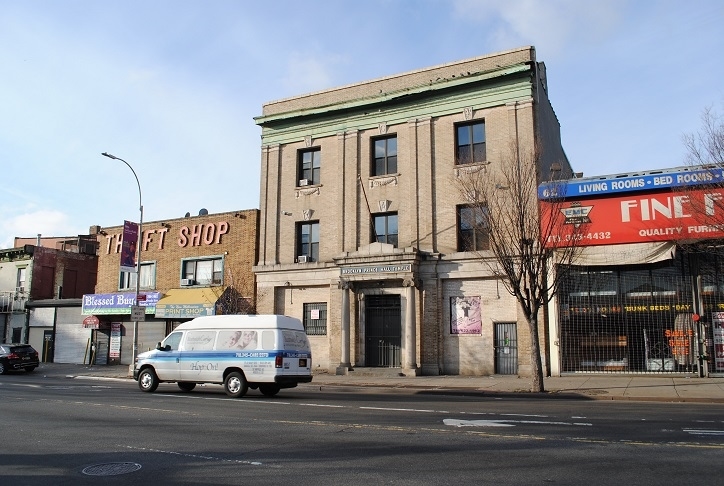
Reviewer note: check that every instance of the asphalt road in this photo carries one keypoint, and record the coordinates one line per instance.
(62, 431)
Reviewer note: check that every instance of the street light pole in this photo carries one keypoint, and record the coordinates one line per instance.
(138, 261)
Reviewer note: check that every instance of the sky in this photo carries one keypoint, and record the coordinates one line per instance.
(172, 88)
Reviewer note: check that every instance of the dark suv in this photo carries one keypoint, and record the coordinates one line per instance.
(17, 356)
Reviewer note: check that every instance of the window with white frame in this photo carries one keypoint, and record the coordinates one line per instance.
(308, 241)
(127, 280)
(20, 282)
(310, 166)
(203, 271)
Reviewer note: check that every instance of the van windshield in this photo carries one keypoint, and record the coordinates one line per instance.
(172, 340)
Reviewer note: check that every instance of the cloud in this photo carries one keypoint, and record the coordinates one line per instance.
(309, 72)
(47, 222)
(552, 25)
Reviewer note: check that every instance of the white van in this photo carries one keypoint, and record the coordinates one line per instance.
(268, 352)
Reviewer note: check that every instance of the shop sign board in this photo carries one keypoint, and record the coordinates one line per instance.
(115, 344)
(103, 304)
(184, 311)
(635, 218)
(672, 179)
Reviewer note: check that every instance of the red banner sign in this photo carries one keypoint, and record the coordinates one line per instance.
(637, 218)
(91, 322)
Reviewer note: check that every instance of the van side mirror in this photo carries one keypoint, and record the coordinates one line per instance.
(167, 347)
(158, 346)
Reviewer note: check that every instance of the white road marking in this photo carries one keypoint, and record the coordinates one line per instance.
(508, 423)
(704, 432)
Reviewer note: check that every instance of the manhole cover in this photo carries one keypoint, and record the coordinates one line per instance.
(111, 469)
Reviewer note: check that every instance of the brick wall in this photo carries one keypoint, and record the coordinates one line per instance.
(232, 235)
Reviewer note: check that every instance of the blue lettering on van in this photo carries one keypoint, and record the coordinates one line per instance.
(252, 355)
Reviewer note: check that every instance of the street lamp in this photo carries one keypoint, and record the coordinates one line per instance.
(138, 261)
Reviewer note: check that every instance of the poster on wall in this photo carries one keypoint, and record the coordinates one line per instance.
(465, 315)
(717, 322)
(115, 345)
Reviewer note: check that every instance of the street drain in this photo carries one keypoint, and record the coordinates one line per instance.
(111, 469)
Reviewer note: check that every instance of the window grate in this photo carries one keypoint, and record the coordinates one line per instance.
(315, 319)
(628, 321)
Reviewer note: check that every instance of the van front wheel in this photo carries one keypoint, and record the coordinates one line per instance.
(147, 380)
(235, 385)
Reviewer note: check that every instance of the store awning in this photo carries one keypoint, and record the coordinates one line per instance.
(627, 254)
(187, 303)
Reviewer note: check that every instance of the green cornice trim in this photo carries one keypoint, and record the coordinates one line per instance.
(396, 111)
(426, 88)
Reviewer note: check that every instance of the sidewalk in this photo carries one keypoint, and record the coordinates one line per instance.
(677, 388)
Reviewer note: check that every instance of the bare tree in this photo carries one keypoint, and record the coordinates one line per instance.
(522, 245)
(238, 296)
(705, 157)
(706, 147)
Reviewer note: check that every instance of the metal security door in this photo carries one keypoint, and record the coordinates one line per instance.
(383, 331)
(101, 347)
(47, 352)
(506, 348)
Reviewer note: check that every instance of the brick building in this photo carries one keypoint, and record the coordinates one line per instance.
(362, 233)
(191, 266)
(41, 290)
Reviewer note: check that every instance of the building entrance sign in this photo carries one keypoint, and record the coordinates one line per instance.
(376, 269)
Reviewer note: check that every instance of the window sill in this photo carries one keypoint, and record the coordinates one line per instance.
(384, 180)
(308, 190)
(471, 168)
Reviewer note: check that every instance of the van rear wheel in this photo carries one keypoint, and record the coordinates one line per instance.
(147, 380)
(235, 385)
(186, 386)
(269, 390)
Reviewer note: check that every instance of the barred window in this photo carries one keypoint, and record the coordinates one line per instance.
(315, 319)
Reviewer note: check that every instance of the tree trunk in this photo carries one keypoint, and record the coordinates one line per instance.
(535, 358)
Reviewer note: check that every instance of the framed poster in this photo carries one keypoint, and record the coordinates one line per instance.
(465, 315)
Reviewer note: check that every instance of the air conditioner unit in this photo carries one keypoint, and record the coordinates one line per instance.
(302, 259)
(185, 282)
(303, 182)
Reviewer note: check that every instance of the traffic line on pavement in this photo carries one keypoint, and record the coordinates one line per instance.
(508, 423)
(704, 432)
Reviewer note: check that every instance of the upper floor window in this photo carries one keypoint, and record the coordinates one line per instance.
(310, 164)
(315, 319)
(308, 242)
(385, 228)
(20, 282)
(127, 280)
(470, 143)
(203, 271)
(385, 156)
(472, 228)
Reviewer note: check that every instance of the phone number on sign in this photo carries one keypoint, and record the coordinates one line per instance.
(601, 235)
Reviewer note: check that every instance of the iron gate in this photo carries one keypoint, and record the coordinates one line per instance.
(383, 331)
(506, 348)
